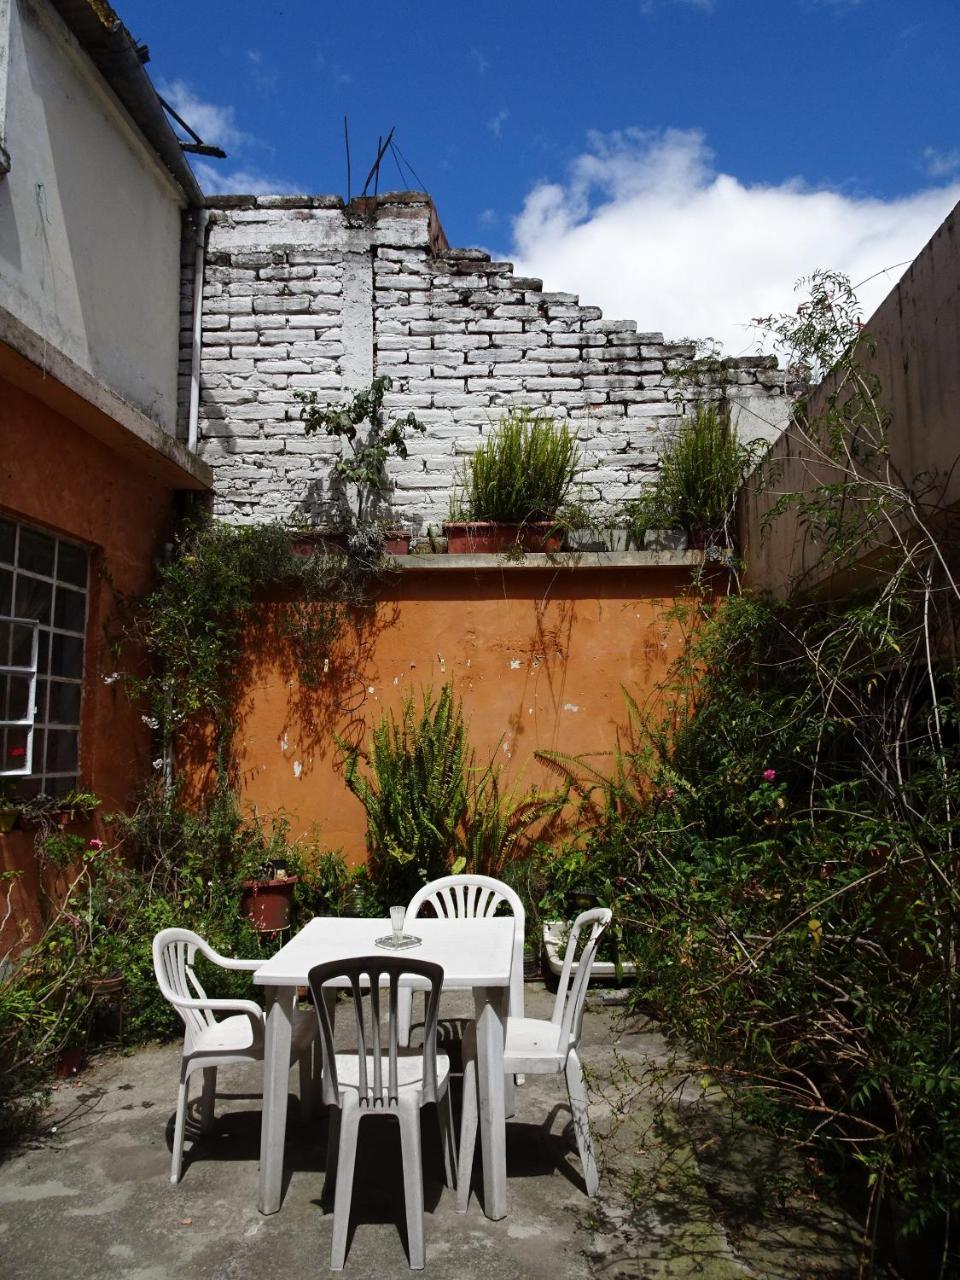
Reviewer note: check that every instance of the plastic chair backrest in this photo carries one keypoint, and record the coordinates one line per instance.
(174, 952)
(465, 897)
(364, 975)
(571, 996)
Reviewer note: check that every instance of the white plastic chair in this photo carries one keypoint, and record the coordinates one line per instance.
(467, 897)
(381, 1079)
(538, 1047)
(209, 1044)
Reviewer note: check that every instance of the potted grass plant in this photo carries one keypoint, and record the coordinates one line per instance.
(701, 469)
(509, 491)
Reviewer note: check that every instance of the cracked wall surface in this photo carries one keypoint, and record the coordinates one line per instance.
(304, 293)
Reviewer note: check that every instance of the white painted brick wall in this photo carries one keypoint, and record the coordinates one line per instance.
(302, 293)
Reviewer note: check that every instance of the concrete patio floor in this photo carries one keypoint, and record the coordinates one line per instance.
(89, 1197)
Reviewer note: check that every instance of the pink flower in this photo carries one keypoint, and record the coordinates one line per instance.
(668, 793)
(95, 844)
(769, 775)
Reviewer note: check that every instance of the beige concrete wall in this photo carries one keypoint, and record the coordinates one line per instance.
(917, 333)
(89, 220)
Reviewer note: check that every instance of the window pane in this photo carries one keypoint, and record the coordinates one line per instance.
(16, 643)
(34, 599)
(72, 564)
(40, 701)
(15, 749)
(64, 703)
(6, 591)
(70, 609)
(57, 787)
(17, 698)
(43, 651)
(8, 538)
(66, 657)
(36, 551)
(61, 750)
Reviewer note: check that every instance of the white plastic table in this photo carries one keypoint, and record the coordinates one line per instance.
(474, 954)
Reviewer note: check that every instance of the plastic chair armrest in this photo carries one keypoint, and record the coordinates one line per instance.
(250, 966)
(249, 1007)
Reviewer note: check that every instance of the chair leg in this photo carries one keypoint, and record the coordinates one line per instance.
(183, 1096)
(412, 1183)
(404, 1015)
(343, 1195)
(333, 1146)
(445, 1116)
(208, 1099)
(305, 1072)
(577, 1090)
(469, 1119)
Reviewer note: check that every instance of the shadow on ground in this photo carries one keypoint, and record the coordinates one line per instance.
(90, 1197)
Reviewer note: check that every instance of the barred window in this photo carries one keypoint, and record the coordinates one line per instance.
(43, 615)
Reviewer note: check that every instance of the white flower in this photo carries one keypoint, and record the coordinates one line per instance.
(112, 678)
(158, 763)
(151, 722)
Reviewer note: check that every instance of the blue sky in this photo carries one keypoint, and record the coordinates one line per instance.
(604, 142)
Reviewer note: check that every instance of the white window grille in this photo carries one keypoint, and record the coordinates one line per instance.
(19, 645)
(43, 594)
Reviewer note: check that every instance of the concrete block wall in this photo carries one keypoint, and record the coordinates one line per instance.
(304, 293)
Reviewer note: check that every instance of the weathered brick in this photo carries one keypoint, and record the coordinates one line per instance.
(463, 339)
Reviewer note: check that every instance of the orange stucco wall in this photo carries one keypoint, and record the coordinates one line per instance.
(55, 475)
(539, 657)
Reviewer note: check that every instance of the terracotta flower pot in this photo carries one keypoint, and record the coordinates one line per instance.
(491, 537)
(269, 903)
(397, 542)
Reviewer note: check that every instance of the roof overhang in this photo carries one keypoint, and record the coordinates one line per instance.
(46, 373)
(116, 55)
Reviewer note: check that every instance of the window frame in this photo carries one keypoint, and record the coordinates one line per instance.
(8, 669)
(42, 778)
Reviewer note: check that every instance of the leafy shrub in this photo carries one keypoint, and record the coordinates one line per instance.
(364, 466)
(789, 902)
(168, 865)
(522, 473)
(415, 791)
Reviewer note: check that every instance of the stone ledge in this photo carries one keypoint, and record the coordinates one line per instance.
(565, 560)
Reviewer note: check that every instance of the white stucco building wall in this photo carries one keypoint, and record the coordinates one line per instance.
(89, 220)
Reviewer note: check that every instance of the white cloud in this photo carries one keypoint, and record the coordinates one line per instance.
(239, 182)
(499, 120)
(941, 164)
(647, 229)
(215, 124)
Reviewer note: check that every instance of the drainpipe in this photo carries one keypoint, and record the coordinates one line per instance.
(194, 411)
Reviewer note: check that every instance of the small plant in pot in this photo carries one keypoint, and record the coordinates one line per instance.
(362, 461)
(510, 490)
(268, 877)
(701, 470)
